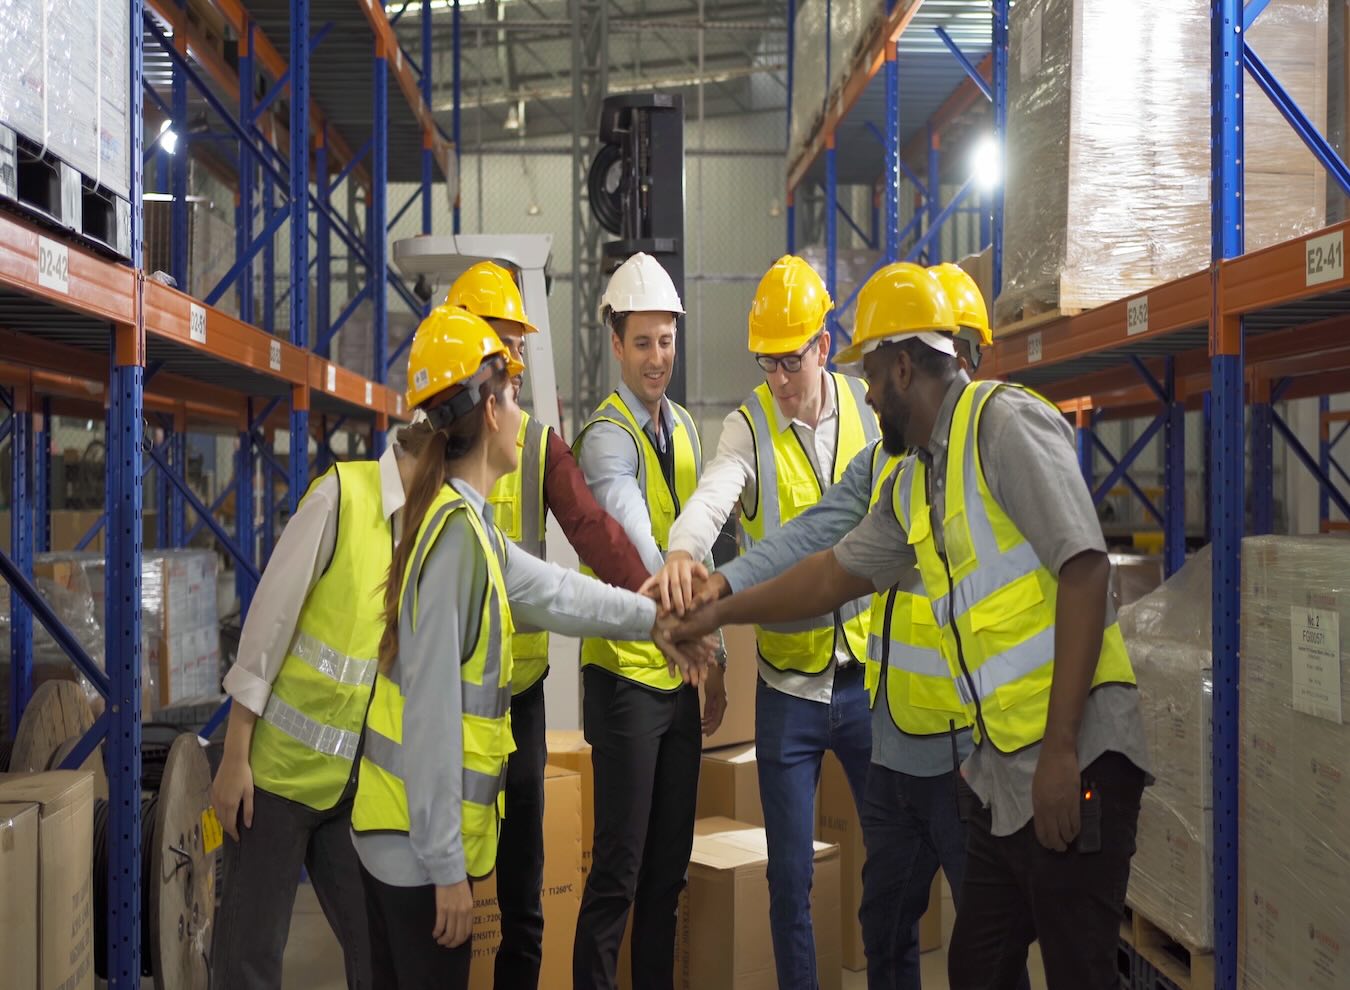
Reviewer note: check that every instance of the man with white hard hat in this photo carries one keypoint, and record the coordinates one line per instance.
(641, 455)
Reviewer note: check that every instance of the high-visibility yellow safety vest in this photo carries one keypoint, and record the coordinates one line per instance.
(786, 486)
(993, 598)
(518, 509)
(904, 649)
(485, 684)
(304, 743)
(641, 661)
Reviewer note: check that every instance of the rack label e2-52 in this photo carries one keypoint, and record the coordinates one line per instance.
(1325, 258)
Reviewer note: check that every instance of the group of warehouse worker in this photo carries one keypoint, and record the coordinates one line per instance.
(930, 588)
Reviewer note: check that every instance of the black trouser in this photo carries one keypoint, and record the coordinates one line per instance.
(1016, 890)
(645, 746)
(404, 955)
(520, 849)
(261, 873)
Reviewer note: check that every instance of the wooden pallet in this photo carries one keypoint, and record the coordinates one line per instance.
(1031, 318)
(1188, 967)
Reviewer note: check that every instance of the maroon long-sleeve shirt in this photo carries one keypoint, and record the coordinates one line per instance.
(598, 539)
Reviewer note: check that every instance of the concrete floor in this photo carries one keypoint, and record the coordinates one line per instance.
(314, 960)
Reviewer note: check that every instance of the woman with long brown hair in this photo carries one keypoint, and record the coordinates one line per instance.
(429, 794)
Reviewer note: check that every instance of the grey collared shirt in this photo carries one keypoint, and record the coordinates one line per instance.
(1027, 453)
(452, 591)
(609, 463)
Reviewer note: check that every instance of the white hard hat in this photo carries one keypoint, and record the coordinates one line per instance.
(640, 285)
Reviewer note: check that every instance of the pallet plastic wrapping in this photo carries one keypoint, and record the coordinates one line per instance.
(180, 640)
(818, 80)
(65, 77)
(1295, 764)
(1167, 633)
(1108, 150)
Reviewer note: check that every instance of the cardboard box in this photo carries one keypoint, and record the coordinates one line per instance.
(570, 750)
(18, 894)
(726, 912)
(562, 890)
(738, 724)
(837, 822)
(728, 785)
(65, 800)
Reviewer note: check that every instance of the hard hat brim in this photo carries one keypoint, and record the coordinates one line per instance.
(854, 352)
(777, 346)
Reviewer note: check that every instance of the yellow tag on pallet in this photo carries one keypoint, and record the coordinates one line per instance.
(212, 834)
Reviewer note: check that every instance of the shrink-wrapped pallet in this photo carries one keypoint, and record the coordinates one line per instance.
(1108, 150)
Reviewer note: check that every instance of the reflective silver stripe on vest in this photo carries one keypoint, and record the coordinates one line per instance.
(332, 664)
(908, 657)
(491, 698)
(479, 788)
(1023, 659)
(531, 490)
(410, 589)
(871, 426)
(766, 465)
(321, 738)
(847, 612)
(687, 421)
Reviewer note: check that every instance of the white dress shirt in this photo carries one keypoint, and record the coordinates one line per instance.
(302, 554)
(730, 477)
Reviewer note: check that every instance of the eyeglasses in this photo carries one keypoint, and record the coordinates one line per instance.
(791, 363)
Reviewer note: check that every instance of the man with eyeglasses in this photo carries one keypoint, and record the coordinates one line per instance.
(779, 452)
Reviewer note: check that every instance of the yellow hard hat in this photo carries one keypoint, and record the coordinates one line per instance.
(967, 301)
(789, 308)
(451, 347)
(488, 290)
(900, 301)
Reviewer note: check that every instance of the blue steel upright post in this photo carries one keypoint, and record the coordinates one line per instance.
(243, 235)
(1174, 476)
(1324, 446)
(429, 136)
(379, 241)
(1226, 490)
(42, 478)
(269, 253)
(1263, 459)
(1000, 43)
(892, 176)
(933, 202)
(178, 458)
(832, 237)
(178, 167)
(791, 209)
(455, 120)
(21, 550)
(244, 511)
(323, 241)
(299, 447)
(122, 587)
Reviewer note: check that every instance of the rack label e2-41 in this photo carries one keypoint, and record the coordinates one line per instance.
(53, 265)
(1325, 258)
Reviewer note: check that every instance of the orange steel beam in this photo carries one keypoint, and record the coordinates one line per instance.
(267, 55)
(1180, 305)
(386, 44)
(1278, 274)
(93, 286)
(870, 63)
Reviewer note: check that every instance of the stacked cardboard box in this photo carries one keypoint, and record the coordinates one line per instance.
(1167, 633)
(738, 724)
(728, 785)
(563, 882)
(568, 748)
(46, 852)
(1295, 762)
(1108, 155)
(724, 934)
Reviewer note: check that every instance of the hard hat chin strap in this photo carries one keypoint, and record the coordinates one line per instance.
(467, 398)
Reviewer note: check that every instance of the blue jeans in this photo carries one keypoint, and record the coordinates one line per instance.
(791, 737)
(911, 827)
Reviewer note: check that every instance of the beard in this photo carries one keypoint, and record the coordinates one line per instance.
(894, 417)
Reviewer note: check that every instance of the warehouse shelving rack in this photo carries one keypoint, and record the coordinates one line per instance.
(1232, 340)
(89, 335)
(866, 118)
